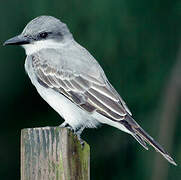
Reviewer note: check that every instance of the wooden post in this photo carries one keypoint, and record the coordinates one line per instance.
(53, 153)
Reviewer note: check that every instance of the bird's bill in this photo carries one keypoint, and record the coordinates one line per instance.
(17, 40)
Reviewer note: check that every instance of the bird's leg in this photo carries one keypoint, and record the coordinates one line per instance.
(66, 125)
(78, 133)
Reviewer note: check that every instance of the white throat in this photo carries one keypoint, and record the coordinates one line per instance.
(43, 44)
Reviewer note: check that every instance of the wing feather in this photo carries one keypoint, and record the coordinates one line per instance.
(84, 90)
(106, 92)
(109, 103)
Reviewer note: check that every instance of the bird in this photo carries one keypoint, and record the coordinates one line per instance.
(73, 83)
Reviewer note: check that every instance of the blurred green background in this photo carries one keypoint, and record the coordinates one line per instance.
(138, 45)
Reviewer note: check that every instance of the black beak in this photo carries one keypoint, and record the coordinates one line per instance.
(17, 40)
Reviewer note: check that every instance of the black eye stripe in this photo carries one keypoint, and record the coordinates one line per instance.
(43, 35)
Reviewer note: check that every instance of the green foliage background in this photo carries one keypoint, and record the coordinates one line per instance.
(136, 43)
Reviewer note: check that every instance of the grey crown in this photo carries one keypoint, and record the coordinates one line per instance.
(46, 24)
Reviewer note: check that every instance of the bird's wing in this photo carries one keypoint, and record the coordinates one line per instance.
(84, 90)
(92, 95)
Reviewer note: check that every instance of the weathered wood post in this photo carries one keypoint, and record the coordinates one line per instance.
(53, 153)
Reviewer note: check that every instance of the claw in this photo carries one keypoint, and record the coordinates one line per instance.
(77, 132)
(81, 141)
(66, 125)
(63, 125)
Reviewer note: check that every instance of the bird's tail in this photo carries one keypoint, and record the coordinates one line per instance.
(143, 137)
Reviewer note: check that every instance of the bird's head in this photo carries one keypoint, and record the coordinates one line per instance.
(42, 32)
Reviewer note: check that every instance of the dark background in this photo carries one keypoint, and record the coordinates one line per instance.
(138, 45)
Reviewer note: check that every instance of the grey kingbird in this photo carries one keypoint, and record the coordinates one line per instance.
(72, 82)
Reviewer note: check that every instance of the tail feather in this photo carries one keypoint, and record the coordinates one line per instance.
(140, 140)
(142, 137)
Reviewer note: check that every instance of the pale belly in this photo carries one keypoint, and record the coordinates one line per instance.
(71, 113)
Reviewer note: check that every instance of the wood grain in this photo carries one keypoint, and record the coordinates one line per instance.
(53, 153)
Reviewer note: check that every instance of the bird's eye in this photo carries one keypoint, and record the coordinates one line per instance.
(43, 35)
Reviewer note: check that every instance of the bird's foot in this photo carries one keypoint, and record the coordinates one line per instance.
(78, 133)
(81, 141)
(66, 125)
